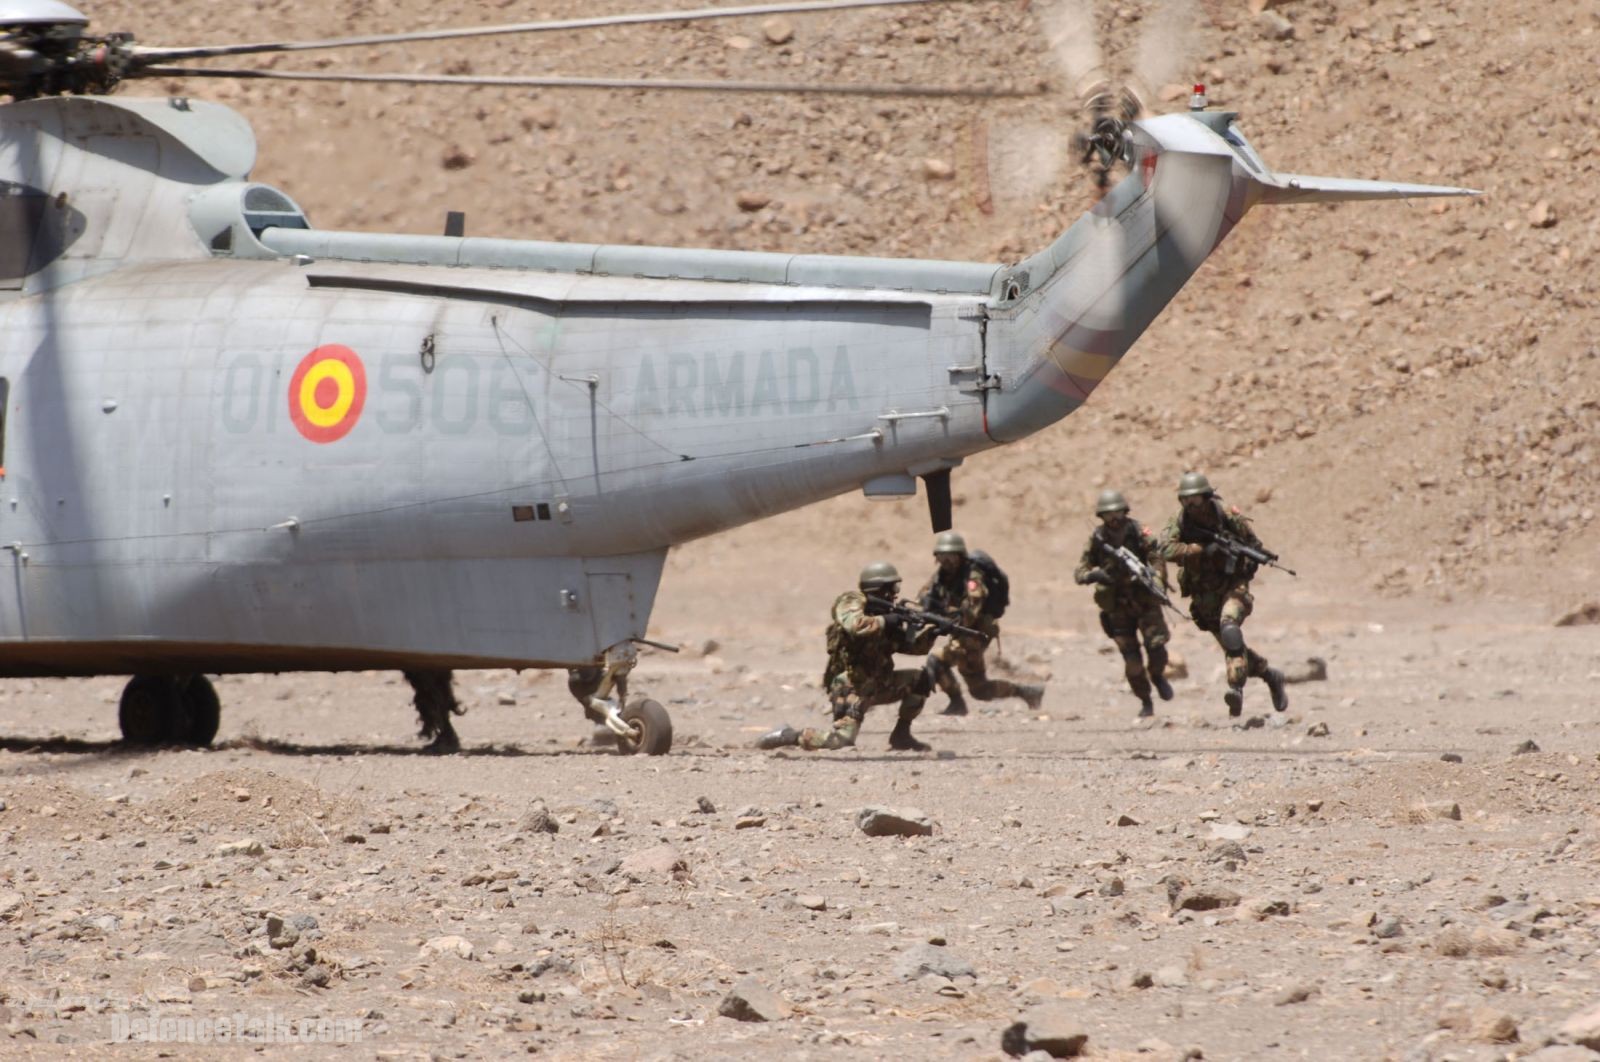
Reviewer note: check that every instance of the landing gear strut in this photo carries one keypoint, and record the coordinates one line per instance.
(169, 710)
(642, 726)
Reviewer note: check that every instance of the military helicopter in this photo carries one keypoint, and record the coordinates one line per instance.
(234, 442)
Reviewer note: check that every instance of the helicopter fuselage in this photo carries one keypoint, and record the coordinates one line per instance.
(232, 442)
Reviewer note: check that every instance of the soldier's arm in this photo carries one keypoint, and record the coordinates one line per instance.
(851, 616)
(1155, 557)
(925, 595)
(919, 639)
(1174, 549)
(972, 604)
(1241, 528)
(1086, 564)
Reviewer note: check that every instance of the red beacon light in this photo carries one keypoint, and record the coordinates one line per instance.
(1197, 102)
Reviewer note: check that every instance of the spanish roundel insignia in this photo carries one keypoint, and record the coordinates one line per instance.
(326, 393)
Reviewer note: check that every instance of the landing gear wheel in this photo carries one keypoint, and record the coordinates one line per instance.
(652, 729)
(201, 713)
(169, 710)
(148, 704)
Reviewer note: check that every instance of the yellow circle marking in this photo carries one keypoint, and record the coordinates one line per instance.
(339, 373)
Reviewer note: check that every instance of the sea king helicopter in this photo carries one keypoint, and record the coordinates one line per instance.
(214, 448)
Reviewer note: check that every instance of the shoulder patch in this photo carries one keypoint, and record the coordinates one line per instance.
(1146, 530)
(972, 584)
(1234, 509)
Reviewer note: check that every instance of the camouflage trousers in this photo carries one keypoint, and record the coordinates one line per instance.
(1214, 610)
(1125, 627)
(850, 696)
(965, 656)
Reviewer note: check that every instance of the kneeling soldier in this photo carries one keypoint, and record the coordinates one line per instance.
(863, 637)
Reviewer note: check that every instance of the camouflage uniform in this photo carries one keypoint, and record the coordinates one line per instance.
(434, 695)
(960, 594)
(1127, 610)
(1219, 598)
(861, 673)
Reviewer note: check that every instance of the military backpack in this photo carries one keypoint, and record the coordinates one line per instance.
(995, 580)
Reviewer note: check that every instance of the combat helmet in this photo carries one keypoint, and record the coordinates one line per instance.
(1111, 501)
(1193, 483)
(878, 575)
(950, 542)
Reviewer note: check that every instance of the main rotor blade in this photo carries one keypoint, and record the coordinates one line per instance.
(158, 55)
(556, 81)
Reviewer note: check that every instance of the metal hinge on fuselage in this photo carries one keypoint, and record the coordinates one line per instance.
(975, 379)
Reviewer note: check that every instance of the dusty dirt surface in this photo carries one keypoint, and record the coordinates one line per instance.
(1403, 397)
(1318, 884)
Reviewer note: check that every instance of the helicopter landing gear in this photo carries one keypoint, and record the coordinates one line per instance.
(169, 710)
(643, 726)
(649, 729)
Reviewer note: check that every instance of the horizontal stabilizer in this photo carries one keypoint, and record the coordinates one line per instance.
(1293, 188)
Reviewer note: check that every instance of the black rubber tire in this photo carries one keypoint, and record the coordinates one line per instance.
(200, 715)
(655, 729)
(145, 712)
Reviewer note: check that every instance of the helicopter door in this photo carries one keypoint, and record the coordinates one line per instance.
(622, 591)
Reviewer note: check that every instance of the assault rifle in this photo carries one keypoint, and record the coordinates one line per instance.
(1141, 572)
(1237, 551)
(906, 610)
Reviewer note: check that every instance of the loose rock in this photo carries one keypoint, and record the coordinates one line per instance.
(1051, 1028)
(750, 1000)
(894, 822)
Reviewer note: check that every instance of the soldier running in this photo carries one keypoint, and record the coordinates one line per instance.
(1217, 584)
(961, 589)
(860, 673)
(1127, 608)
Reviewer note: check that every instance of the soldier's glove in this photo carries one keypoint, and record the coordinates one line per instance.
(893, 624)
(1215, 549)
(1099, 576)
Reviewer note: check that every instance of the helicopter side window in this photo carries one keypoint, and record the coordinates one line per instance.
(267, 208)
(1245, 151)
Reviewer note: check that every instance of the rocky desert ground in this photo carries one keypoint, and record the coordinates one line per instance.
(1404, 398)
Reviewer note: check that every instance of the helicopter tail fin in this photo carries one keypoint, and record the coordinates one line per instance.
(1284, 188)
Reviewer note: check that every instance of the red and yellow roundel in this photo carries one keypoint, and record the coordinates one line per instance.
(327, 392)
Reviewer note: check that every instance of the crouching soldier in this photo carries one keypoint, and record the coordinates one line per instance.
(864, 634)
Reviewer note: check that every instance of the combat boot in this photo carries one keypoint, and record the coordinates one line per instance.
(1146, 709)
(1163, 687)
(900, 739)
(957, 705)
(1032, 696)
(1280, 696)
(1234, 699)
(782, 737)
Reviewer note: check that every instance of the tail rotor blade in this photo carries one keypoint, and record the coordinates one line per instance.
(1165, 50)
(1069, 29)
(1025, 160)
